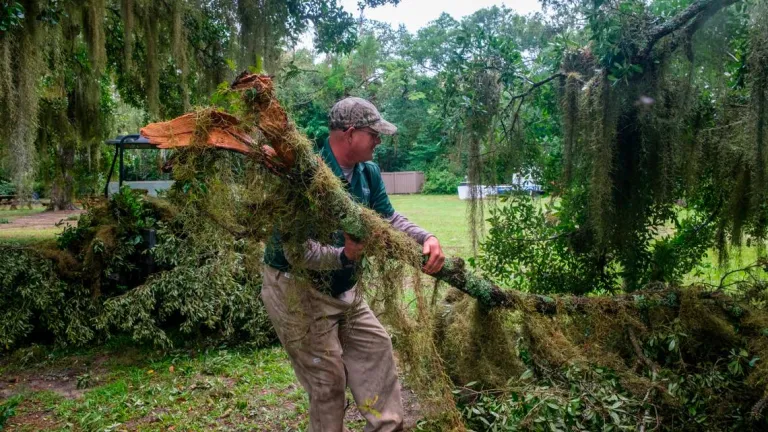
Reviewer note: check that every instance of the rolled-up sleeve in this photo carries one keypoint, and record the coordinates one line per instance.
(318, 256)
(401, 223)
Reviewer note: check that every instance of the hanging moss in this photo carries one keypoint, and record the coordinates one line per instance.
(93, 29)
(600, 147)
(486, 91)
(251, 14)
(152, 82)
(23, 101)
(179, 48)
(6, 78)
(570, 101)
(127, 13)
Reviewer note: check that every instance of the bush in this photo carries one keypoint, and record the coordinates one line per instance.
(440, 181)
(35, 301)
(531, 250)
(7, 188)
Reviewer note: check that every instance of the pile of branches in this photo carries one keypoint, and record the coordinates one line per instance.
(156, 271)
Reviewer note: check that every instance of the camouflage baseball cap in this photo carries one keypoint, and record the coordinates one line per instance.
(357, 112)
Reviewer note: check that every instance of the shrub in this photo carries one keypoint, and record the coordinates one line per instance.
(7, 188)
(531, 250)
(440, 181)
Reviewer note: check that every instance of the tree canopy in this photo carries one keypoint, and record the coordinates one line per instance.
(65, 66)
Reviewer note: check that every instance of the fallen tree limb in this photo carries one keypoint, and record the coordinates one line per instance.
(299, 166)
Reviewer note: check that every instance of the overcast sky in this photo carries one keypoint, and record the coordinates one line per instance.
(415, 14)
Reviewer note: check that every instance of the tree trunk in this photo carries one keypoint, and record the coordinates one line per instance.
(63, 187)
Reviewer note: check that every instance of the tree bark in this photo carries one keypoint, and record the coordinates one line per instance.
(63, 187)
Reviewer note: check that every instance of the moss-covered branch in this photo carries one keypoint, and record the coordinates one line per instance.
(290, 156)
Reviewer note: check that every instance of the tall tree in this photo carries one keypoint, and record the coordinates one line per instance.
(162, 56)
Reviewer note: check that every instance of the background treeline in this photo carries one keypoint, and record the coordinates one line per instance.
(95, 69)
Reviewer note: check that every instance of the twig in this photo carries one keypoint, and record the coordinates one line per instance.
(534, 86)
(639, 352)
(758, 263)
(757, 410)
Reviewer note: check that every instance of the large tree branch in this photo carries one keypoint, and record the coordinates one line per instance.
(700, 11)
(298, 166)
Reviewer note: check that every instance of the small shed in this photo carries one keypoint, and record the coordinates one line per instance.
(405, 182)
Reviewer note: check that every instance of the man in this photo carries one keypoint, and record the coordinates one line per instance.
(332, 337)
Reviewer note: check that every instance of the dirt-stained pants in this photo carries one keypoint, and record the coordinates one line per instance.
(333, 343)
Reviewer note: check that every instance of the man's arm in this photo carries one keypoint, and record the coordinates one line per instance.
(401, 223)
(318, 256)
(431, 246)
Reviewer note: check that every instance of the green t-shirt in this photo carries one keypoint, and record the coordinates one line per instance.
(367, 188)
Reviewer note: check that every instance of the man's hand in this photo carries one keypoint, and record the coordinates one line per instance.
(352, 249)
(436, 256)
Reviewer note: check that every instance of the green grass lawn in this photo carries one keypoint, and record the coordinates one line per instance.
(445, 216)
(24, 235)
(126, 389)
(28, 235)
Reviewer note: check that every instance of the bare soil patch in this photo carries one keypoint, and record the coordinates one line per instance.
(33, 416)
(47, 219)
(69, 382)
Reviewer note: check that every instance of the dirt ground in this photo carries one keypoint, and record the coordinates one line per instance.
(46, 219)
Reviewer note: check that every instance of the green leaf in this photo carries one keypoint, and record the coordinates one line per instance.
(615, 417)
(416, 96)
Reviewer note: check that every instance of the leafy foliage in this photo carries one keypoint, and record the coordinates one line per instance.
(530, 250)
(105, 278)
(440, 180)
(7, 188)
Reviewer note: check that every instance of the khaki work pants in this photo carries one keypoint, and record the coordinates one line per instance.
(333, 343)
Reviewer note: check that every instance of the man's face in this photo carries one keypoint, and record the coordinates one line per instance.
(362, 143)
